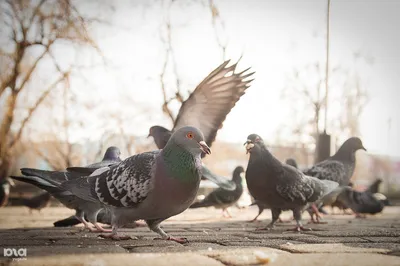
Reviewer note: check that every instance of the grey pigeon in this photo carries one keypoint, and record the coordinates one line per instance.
(280, 186)
(152, 186)
(221, 198)
(374, 187)
(364, 202)
(104, 217)
(340, 205)
(260, 205)
(5, 185)
(52, 180)
(37, 202)
(208, 105)
(291, 162)
(111, 156)
(339, 167)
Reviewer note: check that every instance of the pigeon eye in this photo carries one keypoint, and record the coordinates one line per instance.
(190, 135)
(257, 139)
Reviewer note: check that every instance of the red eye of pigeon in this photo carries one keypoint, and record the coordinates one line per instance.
(190, 135)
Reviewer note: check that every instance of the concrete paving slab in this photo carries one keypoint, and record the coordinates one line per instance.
(331, 248)
(206, 230)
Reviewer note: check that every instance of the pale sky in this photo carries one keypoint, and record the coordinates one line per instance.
(274, 36)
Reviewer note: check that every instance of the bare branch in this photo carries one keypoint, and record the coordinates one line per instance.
(34, 14)
(215, 16)
(165, 107)
(53, 163)
(34, 108)
(33, 67)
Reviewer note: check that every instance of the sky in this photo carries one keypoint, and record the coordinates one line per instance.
(274, 38)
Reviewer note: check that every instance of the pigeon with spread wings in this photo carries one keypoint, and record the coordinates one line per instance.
(152, 186)
(209, 104)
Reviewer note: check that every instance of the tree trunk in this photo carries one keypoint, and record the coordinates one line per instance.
(5, 133)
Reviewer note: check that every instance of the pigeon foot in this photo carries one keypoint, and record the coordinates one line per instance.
(299, 229)
(115, 237)
(180, 240)
(100, 229)
(316, 222)
(267, 228)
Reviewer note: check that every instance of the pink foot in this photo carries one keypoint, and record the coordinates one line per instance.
(267, 228)
(317, 222)
(115, 237)
(180, 240)
(101, 229)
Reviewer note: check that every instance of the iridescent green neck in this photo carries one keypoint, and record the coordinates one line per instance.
(179, 163)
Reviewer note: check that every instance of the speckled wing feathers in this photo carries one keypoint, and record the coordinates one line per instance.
(127, 184)
(123, 185)
(328, 170)
(298, 187)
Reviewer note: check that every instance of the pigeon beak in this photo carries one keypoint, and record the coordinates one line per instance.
(249, 145)
(363, 148)
(204, 147)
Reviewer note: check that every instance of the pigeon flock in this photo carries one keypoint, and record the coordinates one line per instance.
(156, 185)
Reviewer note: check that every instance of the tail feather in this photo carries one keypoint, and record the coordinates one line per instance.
(201, 204)
(41, 174)
(38, 182)
(80, 187)
(81, 170)
(70, 221)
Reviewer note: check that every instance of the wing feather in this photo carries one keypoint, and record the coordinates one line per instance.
(328, 170)
(123, 185)
(299, 188)
(212, 100)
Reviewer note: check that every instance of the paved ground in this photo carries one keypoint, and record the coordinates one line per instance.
(213, 240)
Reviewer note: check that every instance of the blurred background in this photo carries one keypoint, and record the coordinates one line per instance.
(79, 76)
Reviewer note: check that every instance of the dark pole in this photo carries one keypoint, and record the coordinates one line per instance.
(323, 148)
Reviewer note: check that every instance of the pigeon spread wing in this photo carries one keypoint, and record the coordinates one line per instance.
(328, 170)
(124, 185)
(212, 100)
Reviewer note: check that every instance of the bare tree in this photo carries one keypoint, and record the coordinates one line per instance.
(309, 93)
(166, 39)
(166, 33)
(305, 92)
(218, 25)
(34, 29)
